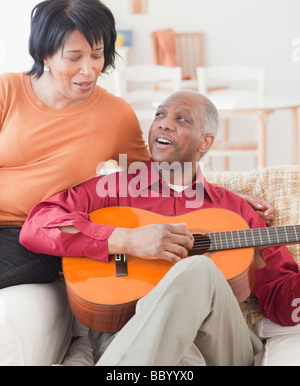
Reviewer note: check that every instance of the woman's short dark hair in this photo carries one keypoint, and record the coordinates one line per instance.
(53, 20)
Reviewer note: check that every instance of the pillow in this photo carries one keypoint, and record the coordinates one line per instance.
(265, 328)
(282, 350)
(280, 185)
(35, 324)
(282, 346)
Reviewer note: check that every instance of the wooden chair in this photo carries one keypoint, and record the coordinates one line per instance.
(137, 85)
(238, 82)
(188, 53)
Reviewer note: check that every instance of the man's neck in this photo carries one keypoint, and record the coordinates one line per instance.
(181, 176)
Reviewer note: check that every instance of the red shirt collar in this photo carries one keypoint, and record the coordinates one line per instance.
(154, 177)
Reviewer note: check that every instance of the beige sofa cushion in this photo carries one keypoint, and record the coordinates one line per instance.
(279, 185)
(35, 324)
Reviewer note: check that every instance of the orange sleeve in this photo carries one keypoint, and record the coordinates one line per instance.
(130, 139)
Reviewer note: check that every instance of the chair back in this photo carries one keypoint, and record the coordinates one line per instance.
(189, 49)
(229, 85)
(235, 80)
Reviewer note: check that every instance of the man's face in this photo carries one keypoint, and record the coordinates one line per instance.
(175, 134)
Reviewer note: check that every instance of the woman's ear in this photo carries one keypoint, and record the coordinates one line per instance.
(206, 143)
(46, 62)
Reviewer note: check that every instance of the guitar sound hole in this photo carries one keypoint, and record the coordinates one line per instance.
(201, 245)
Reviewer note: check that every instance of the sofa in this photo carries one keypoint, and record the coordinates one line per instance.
(37, 327)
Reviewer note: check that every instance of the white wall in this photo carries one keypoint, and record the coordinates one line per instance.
(252, 32)
(14, 33)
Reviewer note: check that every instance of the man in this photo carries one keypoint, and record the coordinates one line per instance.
(191, 317)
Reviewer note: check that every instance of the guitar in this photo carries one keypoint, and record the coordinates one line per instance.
(103, 296)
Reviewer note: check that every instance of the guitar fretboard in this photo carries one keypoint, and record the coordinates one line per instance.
(254, 237)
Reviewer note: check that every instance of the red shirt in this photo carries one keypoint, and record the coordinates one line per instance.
(277, 285)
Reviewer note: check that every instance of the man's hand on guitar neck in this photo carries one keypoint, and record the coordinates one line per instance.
(156, 241)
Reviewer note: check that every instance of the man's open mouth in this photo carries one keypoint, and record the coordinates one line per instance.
(163, 141)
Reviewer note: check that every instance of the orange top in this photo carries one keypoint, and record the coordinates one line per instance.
(44, 151)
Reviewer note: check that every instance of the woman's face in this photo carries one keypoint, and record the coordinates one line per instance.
(75, 68)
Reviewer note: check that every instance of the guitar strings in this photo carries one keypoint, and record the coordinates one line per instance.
(269, 236)
(267, 233)
(201, 240)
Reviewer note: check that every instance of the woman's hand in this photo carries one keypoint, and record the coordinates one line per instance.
(262, 207)
(156, 241)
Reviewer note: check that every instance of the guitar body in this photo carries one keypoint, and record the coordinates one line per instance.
(102, 301)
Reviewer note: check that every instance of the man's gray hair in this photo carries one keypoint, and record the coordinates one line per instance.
(211, 117)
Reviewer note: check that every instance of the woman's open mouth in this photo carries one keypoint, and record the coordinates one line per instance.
(84, 86)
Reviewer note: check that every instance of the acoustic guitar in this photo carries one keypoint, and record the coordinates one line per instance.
(103, 295)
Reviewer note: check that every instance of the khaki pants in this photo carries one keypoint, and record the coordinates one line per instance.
(190, 318)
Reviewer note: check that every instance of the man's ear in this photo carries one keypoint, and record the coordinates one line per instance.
(206, 143)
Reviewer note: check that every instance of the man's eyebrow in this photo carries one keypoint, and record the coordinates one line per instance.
(185, 110)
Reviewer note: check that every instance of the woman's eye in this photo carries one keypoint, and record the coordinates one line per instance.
(98, 53)
(97, 56)
(73, 59)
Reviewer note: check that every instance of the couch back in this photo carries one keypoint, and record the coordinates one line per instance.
(280, 186)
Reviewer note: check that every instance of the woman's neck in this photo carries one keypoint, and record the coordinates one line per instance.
(46, 92)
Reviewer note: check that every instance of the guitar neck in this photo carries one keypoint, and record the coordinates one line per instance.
(250, 238)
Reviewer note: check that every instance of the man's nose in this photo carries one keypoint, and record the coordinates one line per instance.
(167, 124)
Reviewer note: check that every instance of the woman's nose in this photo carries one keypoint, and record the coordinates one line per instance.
(86, 68)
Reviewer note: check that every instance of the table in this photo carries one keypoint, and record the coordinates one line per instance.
(260, 108)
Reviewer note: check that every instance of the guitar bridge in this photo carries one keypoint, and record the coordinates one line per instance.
(121, 265)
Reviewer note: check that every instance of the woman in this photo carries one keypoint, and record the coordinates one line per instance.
(57, 125)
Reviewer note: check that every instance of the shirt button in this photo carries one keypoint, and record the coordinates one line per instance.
(96, 245)
(96, 234)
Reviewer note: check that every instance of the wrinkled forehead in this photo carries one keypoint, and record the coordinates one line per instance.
(187, 102)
